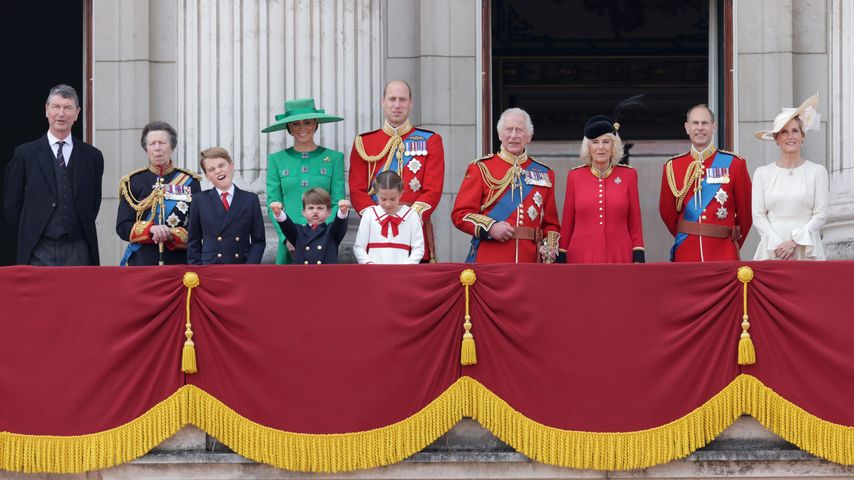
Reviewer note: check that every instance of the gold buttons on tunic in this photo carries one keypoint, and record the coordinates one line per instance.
(236, 255)
(319, 262)
(236, 239)
(218, 255)
(307, 248)
(320, 247)
(703, 217)
(219, 239)
(306, 262)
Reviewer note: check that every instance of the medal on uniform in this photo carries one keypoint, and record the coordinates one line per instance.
(538, 199)
(414, 165)
(414, 184)
(173, 220)
(424, 148)
(717, 176)
(618, 180)
(172, 191)
(183, 207)
(721, 196)
(408, 151)
(712, 176)
(540, 179)
(721, 213)
(532, 213)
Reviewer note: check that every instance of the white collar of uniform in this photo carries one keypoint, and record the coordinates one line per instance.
(230, 191)
(51, 140)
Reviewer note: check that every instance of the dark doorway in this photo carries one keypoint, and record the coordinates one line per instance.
(566, 60)
(45, 47)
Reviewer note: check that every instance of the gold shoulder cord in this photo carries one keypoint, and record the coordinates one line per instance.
(692, 174)
(139, 206)
(393, 148)
(496, 187)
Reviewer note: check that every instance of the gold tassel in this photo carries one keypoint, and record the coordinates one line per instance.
(468, 352)
(746, 350)
(188, 356)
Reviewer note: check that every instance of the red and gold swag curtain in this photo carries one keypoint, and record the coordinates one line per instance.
(345, 367)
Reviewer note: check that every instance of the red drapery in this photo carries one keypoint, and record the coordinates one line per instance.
(576, 365)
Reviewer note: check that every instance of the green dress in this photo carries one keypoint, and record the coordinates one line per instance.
(291, 173)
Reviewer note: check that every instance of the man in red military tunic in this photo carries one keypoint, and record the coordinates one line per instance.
(705, 196)
(506, 201)
(416, 154)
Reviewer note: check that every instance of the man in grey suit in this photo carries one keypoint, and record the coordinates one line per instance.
(53, 190)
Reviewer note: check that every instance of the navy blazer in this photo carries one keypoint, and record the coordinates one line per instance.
(315, 246)
(30, 192)
(220, 237)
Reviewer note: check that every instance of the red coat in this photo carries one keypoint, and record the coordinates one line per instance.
(601, 216)
(734, 211)
(475, 210)
(423, 175)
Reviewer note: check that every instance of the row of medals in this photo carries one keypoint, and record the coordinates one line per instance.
(415, 148)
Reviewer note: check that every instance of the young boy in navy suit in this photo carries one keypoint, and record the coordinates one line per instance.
(226, 225)
(315, 242)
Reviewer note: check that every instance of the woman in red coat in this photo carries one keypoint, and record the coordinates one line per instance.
(601, 212)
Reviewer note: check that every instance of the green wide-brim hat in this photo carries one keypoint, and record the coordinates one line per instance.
(300, 109)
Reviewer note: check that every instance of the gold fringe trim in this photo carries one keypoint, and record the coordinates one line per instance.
(95, 451)
(330, 452)
(395, 442)
(608, 450)
(824, 439)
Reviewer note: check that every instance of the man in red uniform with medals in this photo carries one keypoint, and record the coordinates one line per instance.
(416, 154)
(506, 201)
(705, 196)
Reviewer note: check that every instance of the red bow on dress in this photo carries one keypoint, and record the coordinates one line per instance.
(392, 220)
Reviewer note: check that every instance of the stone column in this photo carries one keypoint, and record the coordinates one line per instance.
(433, 45)
(839, 231)
(238, 61)
(122, 102)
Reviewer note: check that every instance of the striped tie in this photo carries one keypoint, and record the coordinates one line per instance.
(60, 157)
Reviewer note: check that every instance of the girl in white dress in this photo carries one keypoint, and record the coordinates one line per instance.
(790, 195)
(389, 232)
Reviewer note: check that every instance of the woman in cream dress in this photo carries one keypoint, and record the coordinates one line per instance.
(790, 195)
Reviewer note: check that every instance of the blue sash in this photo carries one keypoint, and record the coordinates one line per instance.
(504, 206)
(416, 136)
(691, 213)
(169, 205)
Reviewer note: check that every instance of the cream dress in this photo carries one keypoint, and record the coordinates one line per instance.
(790, 204)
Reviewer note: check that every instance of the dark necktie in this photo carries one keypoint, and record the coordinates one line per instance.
(60, 157)
(225, 200)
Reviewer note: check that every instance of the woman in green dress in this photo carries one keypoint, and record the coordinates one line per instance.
(306, 165)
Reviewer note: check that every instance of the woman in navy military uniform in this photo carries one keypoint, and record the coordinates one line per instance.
(154, 203)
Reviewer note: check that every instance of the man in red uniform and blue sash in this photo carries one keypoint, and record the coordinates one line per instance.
(416, 154)
(506, 201)
(705, 196)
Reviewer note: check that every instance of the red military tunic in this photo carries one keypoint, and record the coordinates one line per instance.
(417, 155)
(601, 216)
(730, 207)
(490, 193)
